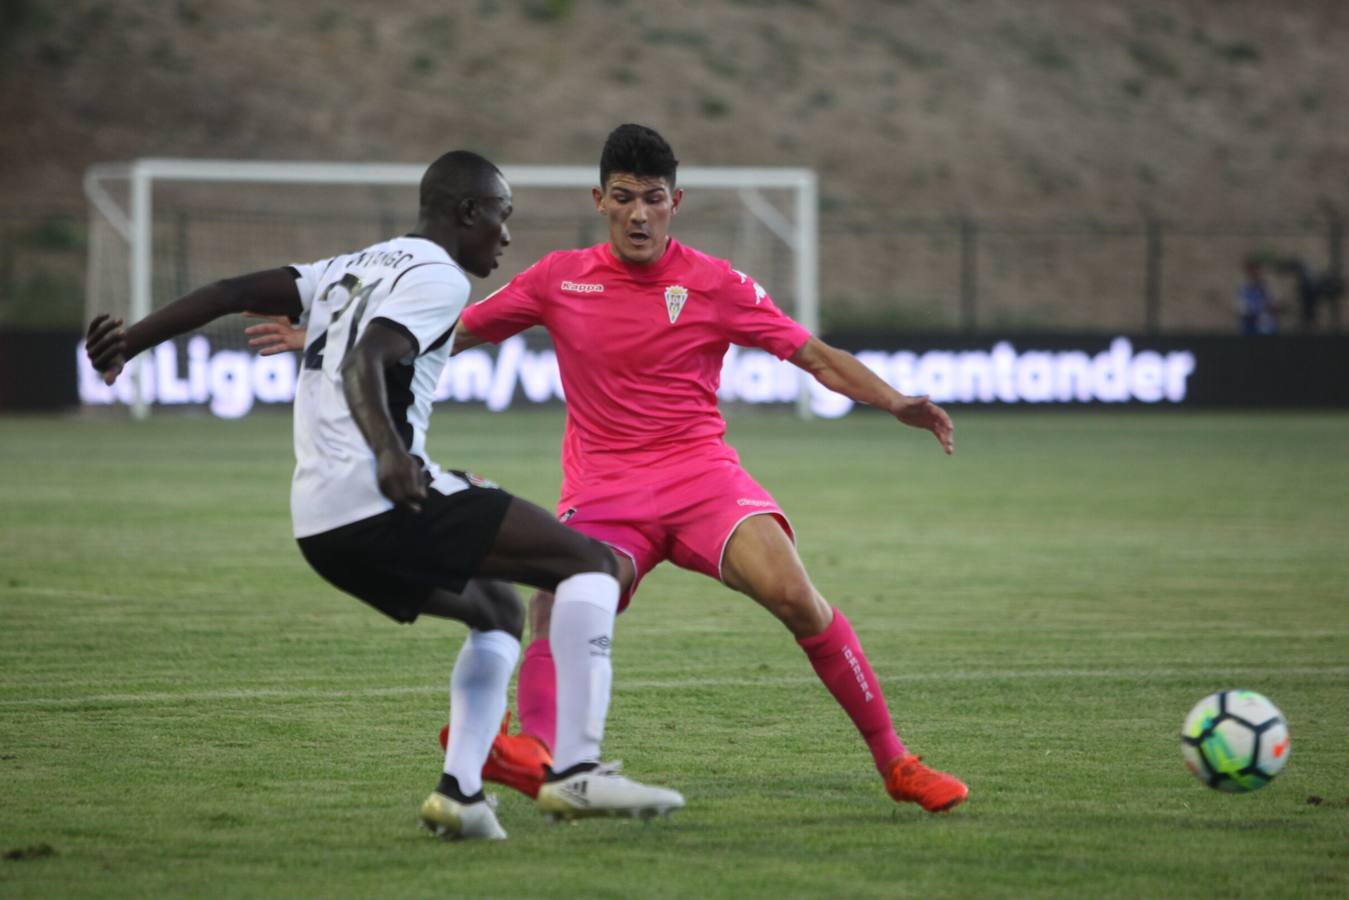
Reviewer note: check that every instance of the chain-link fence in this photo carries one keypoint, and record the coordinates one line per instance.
(976, 275)
(43, 257)
(967, 275)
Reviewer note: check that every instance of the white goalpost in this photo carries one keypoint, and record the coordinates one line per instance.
(158, 227)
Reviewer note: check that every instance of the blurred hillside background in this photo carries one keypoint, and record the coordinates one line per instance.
(1008, 164)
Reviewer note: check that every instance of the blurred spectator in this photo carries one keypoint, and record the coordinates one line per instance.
(1331, 290)
(1256, 311)
(1307, 290)
(1313, 291)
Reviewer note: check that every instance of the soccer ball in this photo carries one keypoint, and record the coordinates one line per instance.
(1235, 741)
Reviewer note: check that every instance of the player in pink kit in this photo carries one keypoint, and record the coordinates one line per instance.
(640, 325)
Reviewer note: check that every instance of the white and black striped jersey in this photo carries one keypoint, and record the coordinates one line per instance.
(410, 284)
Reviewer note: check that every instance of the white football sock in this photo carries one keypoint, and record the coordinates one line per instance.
(580, 634)
(477, 703)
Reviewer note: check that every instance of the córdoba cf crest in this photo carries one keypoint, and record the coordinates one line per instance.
(675, 295)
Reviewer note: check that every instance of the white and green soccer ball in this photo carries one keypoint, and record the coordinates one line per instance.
(1235, 741)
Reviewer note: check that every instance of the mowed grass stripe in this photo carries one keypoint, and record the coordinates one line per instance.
(679, 684)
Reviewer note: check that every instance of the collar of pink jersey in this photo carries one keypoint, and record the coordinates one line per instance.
(648, 272)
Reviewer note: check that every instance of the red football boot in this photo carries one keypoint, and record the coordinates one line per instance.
(515, 760)
(909, 781)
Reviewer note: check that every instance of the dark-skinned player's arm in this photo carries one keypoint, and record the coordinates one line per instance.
(278, 335)
(398, 473)
(109, 345)
(841, 372)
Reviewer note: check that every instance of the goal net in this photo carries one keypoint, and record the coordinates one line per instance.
(160, 227)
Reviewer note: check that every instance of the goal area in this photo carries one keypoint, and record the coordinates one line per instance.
(160, 227)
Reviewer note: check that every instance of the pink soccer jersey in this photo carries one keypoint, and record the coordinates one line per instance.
(640, 349)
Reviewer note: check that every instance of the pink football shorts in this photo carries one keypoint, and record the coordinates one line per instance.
(686, 516)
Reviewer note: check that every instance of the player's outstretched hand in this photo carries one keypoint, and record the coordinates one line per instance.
(273, 336)
(920, 412)
(401, 480)
(105, 345)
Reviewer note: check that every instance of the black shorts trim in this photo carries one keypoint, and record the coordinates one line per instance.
(395, 560)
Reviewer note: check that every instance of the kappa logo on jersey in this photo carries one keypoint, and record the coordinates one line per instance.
(759, 293)
(583, 287)
(675, 297)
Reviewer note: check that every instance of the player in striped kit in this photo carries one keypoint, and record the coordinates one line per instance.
(376, 518)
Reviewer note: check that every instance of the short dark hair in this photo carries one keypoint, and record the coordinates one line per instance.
(455, 176)
(637, 150)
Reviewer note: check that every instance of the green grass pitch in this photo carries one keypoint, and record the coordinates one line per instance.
(186, 710)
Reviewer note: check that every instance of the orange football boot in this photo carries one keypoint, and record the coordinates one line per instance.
(515, 760)
(909, 781)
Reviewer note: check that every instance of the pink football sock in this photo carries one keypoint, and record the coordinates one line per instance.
(536, 693)
(838, 659)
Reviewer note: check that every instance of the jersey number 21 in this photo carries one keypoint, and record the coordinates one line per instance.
(343, 326)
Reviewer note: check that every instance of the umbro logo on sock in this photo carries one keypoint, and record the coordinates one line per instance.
(601, 645)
